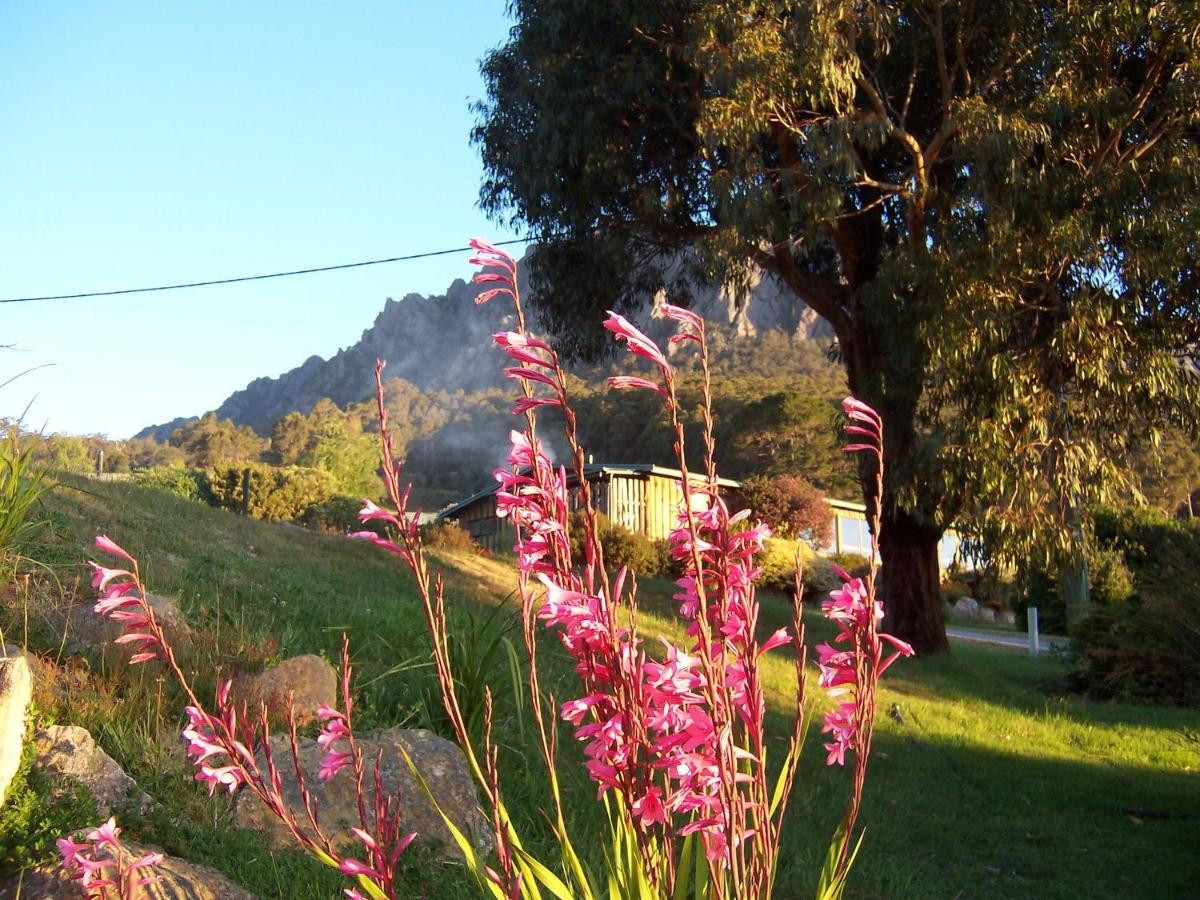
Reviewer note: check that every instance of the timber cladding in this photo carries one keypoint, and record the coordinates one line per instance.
(643, 498)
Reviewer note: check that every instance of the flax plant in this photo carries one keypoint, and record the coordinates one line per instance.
(674, 740)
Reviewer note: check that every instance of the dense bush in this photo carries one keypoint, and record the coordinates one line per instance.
(623, 547)
(791, 506)
(275, 493)
(448, 535)
(187, 484)
(338, 514)
(1141, 640)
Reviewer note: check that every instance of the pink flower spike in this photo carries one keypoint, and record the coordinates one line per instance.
(492, 278)
(354, 867)
(525, 404)
(69, 849)
(103, 576)
(856, 409)
(331, 764)
(528, 375)
(627, 382)
(637, 342)
(484, 296)
(108, 545)
(681, 315)
(371, 512)
(778, 639)
(482, 246)
(325, 711)
(516, 339)
(106, 833)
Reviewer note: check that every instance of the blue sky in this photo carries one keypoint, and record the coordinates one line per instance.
(149, 143)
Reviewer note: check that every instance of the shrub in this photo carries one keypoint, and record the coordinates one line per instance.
(22, 484)
(338, 514)
(275, 493)
(1142, 651)
(623, 547)
(187, 484)
(448, 535)
(791, 506)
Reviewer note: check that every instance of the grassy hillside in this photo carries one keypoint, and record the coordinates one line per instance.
(985, 783)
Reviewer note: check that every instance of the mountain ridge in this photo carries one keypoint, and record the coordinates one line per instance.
(441, 341)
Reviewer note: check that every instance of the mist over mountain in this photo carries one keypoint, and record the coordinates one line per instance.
(443, 342)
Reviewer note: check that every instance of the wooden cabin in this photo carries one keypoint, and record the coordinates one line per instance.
(646, 498)
(643, 498)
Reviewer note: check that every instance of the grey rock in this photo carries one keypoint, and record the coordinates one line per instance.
(309, 679)
(89, 633)
(966, 608)
(181, 880)
(16, 690)
(1006, 617)
(68, 753)
(440, 763)
(987, 614)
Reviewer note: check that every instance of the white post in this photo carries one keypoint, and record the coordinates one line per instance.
(1032, 619)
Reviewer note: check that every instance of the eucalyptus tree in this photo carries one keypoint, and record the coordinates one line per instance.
(993, 204)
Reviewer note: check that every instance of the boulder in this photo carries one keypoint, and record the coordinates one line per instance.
(16, 690)
(43, 672)
(966, 608)
(440, 763)
(68, 753)
(89, 633)
(309, 679)
(1006, 617)
(987, 614)
(181, 880)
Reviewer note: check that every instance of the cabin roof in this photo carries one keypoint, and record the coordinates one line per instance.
(596, 472)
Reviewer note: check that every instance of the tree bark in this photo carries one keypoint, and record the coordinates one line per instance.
(910, 585)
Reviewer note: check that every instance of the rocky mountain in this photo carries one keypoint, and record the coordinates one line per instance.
(445, 342)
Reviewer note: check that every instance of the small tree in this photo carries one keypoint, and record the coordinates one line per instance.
(791, 506)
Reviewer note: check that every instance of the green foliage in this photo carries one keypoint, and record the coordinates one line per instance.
(187, 484)
(449, 536)
(338, 514)
(995, 212)
(791, 506)
(33, 817)
(623, 547)
(1140, 642)
(209, 443)
(482, 654)
(275, 493)
(994, 716)
(22, 485)
(67, 453)
(778, 564)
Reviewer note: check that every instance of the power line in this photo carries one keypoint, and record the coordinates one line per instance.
(216, 281)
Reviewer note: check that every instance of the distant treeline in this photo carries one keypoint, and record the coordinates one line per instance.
(775, 412)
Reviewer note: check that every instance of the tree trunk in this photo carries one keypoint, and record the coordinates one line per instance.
(910, 585)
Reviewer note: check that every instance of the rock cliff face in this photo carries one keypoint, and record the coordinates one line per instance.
(442, 342)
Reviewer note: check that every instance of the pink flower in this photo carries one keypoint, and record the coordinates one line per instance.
(108, 545)
(625, 382)
(230, 777)
(638, 343)
(69, 849)
(332, 763)
(350, 866)
(370, 513)
(649, 808)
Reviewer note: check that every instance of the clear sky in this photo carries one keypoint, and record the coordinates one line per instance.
(147, 143)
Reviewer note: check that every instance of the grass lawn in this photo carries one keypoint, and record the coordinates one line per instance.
(986, 781)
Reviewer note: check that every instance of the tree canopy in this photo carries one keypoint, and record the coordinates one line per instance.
(994, 205)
